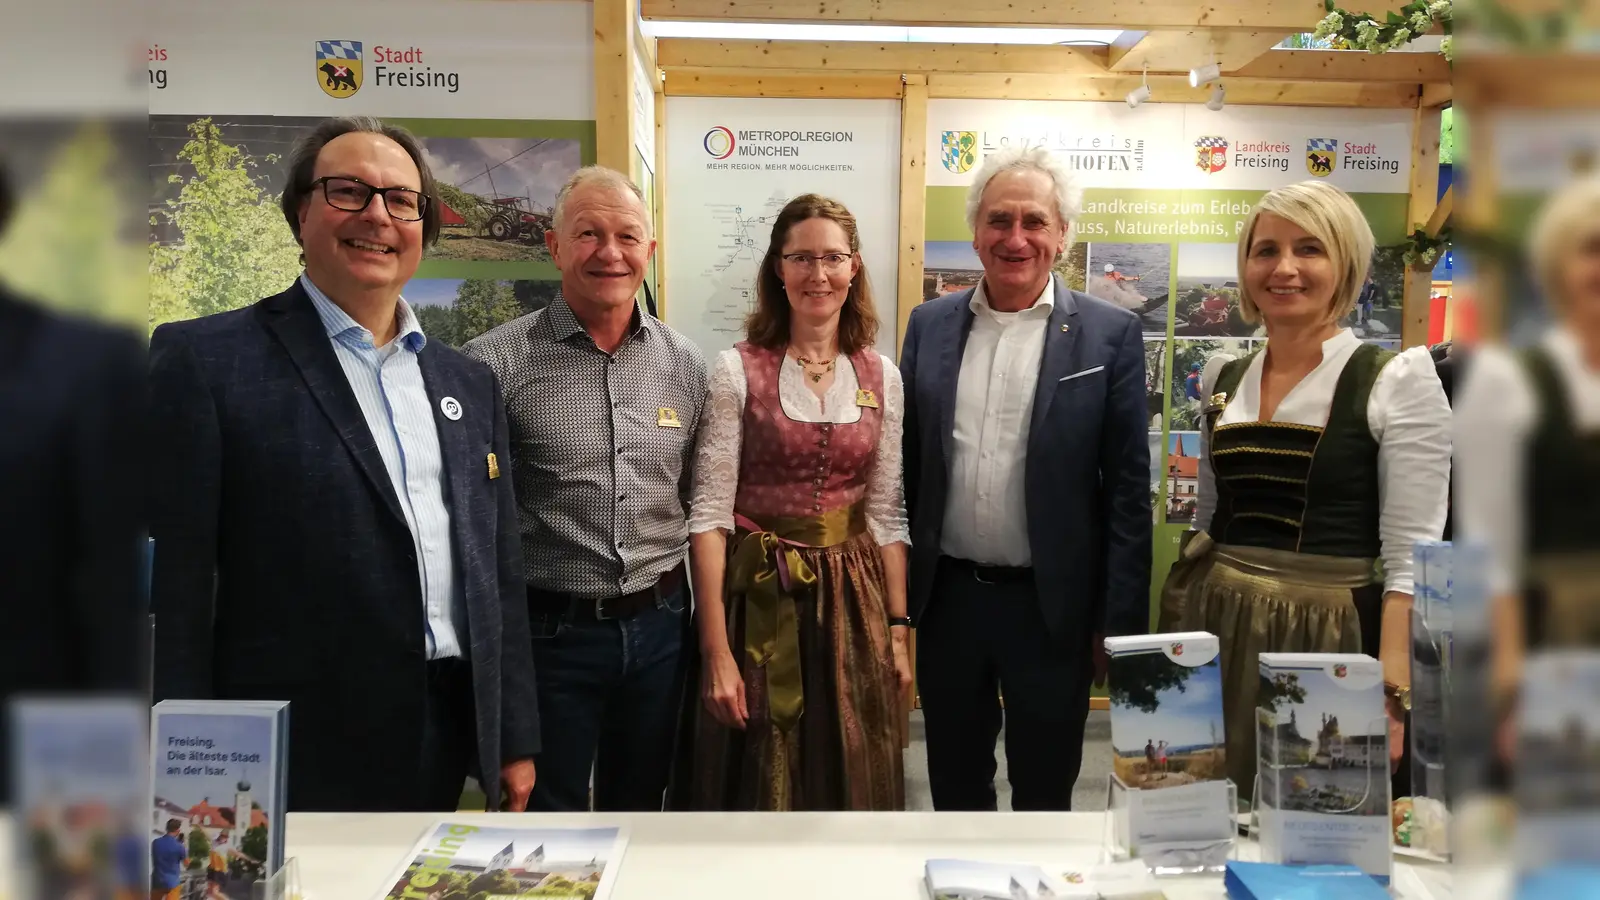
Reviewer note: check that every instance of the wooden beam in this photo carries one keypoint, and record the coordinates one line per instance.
(897, 58)
(1437, 95)
(613, 82)
(1415, 304)
(660, 99)
(644, 44)
(1267, 15)
(1441, 213)
(1520, 81)
(1180, 51)
(692, 82)
(1172, 89)
(913, 199)
(1347, 65)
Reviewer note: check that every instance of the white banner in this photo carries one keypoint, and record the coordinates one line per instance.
(1166, 145)
(732, 165)
(452, 59)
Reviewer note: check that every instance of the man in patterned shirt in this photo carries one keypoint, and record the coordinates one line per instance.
(604, 401)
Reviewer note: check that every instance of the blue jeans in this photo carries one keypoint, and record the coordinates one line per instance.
(609, 695)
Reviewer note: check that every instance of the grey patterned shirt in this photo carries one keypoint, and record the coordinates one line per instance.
(600, 469)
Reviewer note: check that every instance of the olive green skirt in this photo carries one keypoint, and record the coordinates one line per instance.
(1256, 601)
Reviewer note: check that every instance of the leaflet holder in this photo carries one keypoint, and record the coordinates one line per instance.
(1356, 784)
(1184, 830)
(283, 884)
(1432, 648)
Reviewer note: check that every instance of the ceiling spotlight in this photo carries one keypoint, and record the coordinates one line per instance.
(1205, 74)
(1217, 98)
(1139, 95)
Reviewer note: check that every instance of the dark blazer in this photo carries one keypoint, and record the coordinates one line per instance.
(70, 526)
(1088, 465)
(284, 569)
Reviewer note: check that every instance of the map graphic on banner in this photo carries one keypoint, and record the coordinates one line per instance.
(743, 232)
(220, 134)
(1166, 192)
(732, 165)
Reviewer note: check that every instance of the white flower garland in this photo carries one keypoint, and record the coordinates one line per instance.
(1361, 31)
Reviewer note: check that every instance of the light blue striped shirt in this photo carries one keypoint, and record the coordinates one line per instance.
(387, 382)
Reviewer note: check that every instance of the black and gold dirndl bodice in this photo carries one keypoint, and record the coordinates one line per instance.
(1290, 562)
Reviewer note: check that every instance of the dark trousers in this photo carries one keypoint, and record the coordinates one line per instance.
(449, 737)
(609, 693)
(977, 641)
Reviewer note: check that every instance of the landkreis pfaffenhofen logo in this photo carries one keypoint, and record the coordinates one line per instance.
(1211, 156)
(959, 150)
(339, 68)
(1084, 151)
(719, 142)
(1322, 154)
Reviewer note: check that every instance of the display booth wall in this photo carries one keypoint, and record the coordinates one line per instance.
(500, 94)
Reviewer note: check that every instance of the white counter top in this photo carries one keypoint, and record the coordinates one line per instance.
(773, 856)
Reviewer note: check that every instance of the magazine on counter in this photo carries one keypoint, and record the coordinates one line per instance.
(1323, 761)
(962, 879)
(505, 861)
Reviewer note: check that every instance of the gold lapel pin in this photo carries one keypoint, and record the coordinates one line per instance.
(494, 467)
(667, 418)
(1064, 328)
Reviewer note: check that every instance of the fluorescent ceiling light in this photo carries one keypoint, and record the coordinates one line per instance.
(771, 31)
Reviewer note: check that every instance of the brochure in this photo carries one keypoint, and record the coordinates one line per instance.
(502, 861)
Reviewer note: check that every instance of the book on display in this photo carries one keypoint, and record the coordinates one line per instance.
(509, 861)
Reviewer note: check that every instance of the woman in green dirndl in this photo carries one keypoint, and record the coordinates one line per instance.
(1324, 459)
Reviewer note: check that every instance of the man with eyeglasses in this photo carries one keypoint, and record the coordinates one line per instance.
(604, 403)
(333, 516)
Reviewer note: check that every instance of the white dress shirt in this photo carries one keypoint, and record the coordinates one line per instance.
(1496, 412)
(387, 382)
(1408, 416)
(986, 513)
(716, 459)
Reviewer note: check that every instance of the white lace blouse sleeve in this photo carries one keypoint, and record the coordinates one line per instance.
(717, 447)
(886, 499)
(1495, 411)
(1410, 418)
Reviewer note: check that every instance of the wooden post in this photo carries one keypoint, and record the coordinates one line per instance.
(913, 197)
(613, 82)
(1415, 306)
(660, 99)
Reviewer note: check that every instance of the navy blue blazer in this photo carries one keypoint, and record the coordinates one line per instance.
(1088, 460)
(284, 569)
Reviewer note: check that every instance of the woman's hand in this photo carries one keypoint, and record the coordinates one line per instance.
(900, 640)
(722, 689)
(1397, 733)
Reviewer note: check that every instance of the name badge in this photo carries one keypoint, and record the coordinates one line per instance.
(866, 399)
(667, 418)
(494, 467)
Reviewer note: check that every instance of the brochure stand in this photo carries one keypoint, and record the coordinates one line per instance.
(1302, 792)
(281, 885)
(1429, 824)
(1185, 830)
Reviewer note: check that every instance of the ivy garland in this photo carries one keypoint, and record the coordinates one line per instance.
(1360, 31)
(1423, 251)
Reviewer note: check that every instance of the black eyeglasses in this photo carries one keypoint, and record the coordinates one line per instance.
(351, 195)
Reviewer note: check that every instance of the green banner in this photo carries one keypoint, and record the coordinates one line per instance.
(1146, 215)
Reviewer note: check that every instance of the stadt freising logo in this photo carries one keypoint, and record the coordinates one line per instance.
(339, 68)
(1211, 153)
(959, 150)
(1321, 156)
(718, 142)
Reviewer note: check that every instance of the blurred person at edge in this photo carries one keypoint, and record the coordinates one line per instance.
(1529, 425)
(1324, 460)
(801, 443)
(331, 524)
(71, 404)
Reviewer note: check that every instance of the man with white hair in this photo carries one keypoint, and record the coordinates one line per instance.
(603, 400)
(1027, 484)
